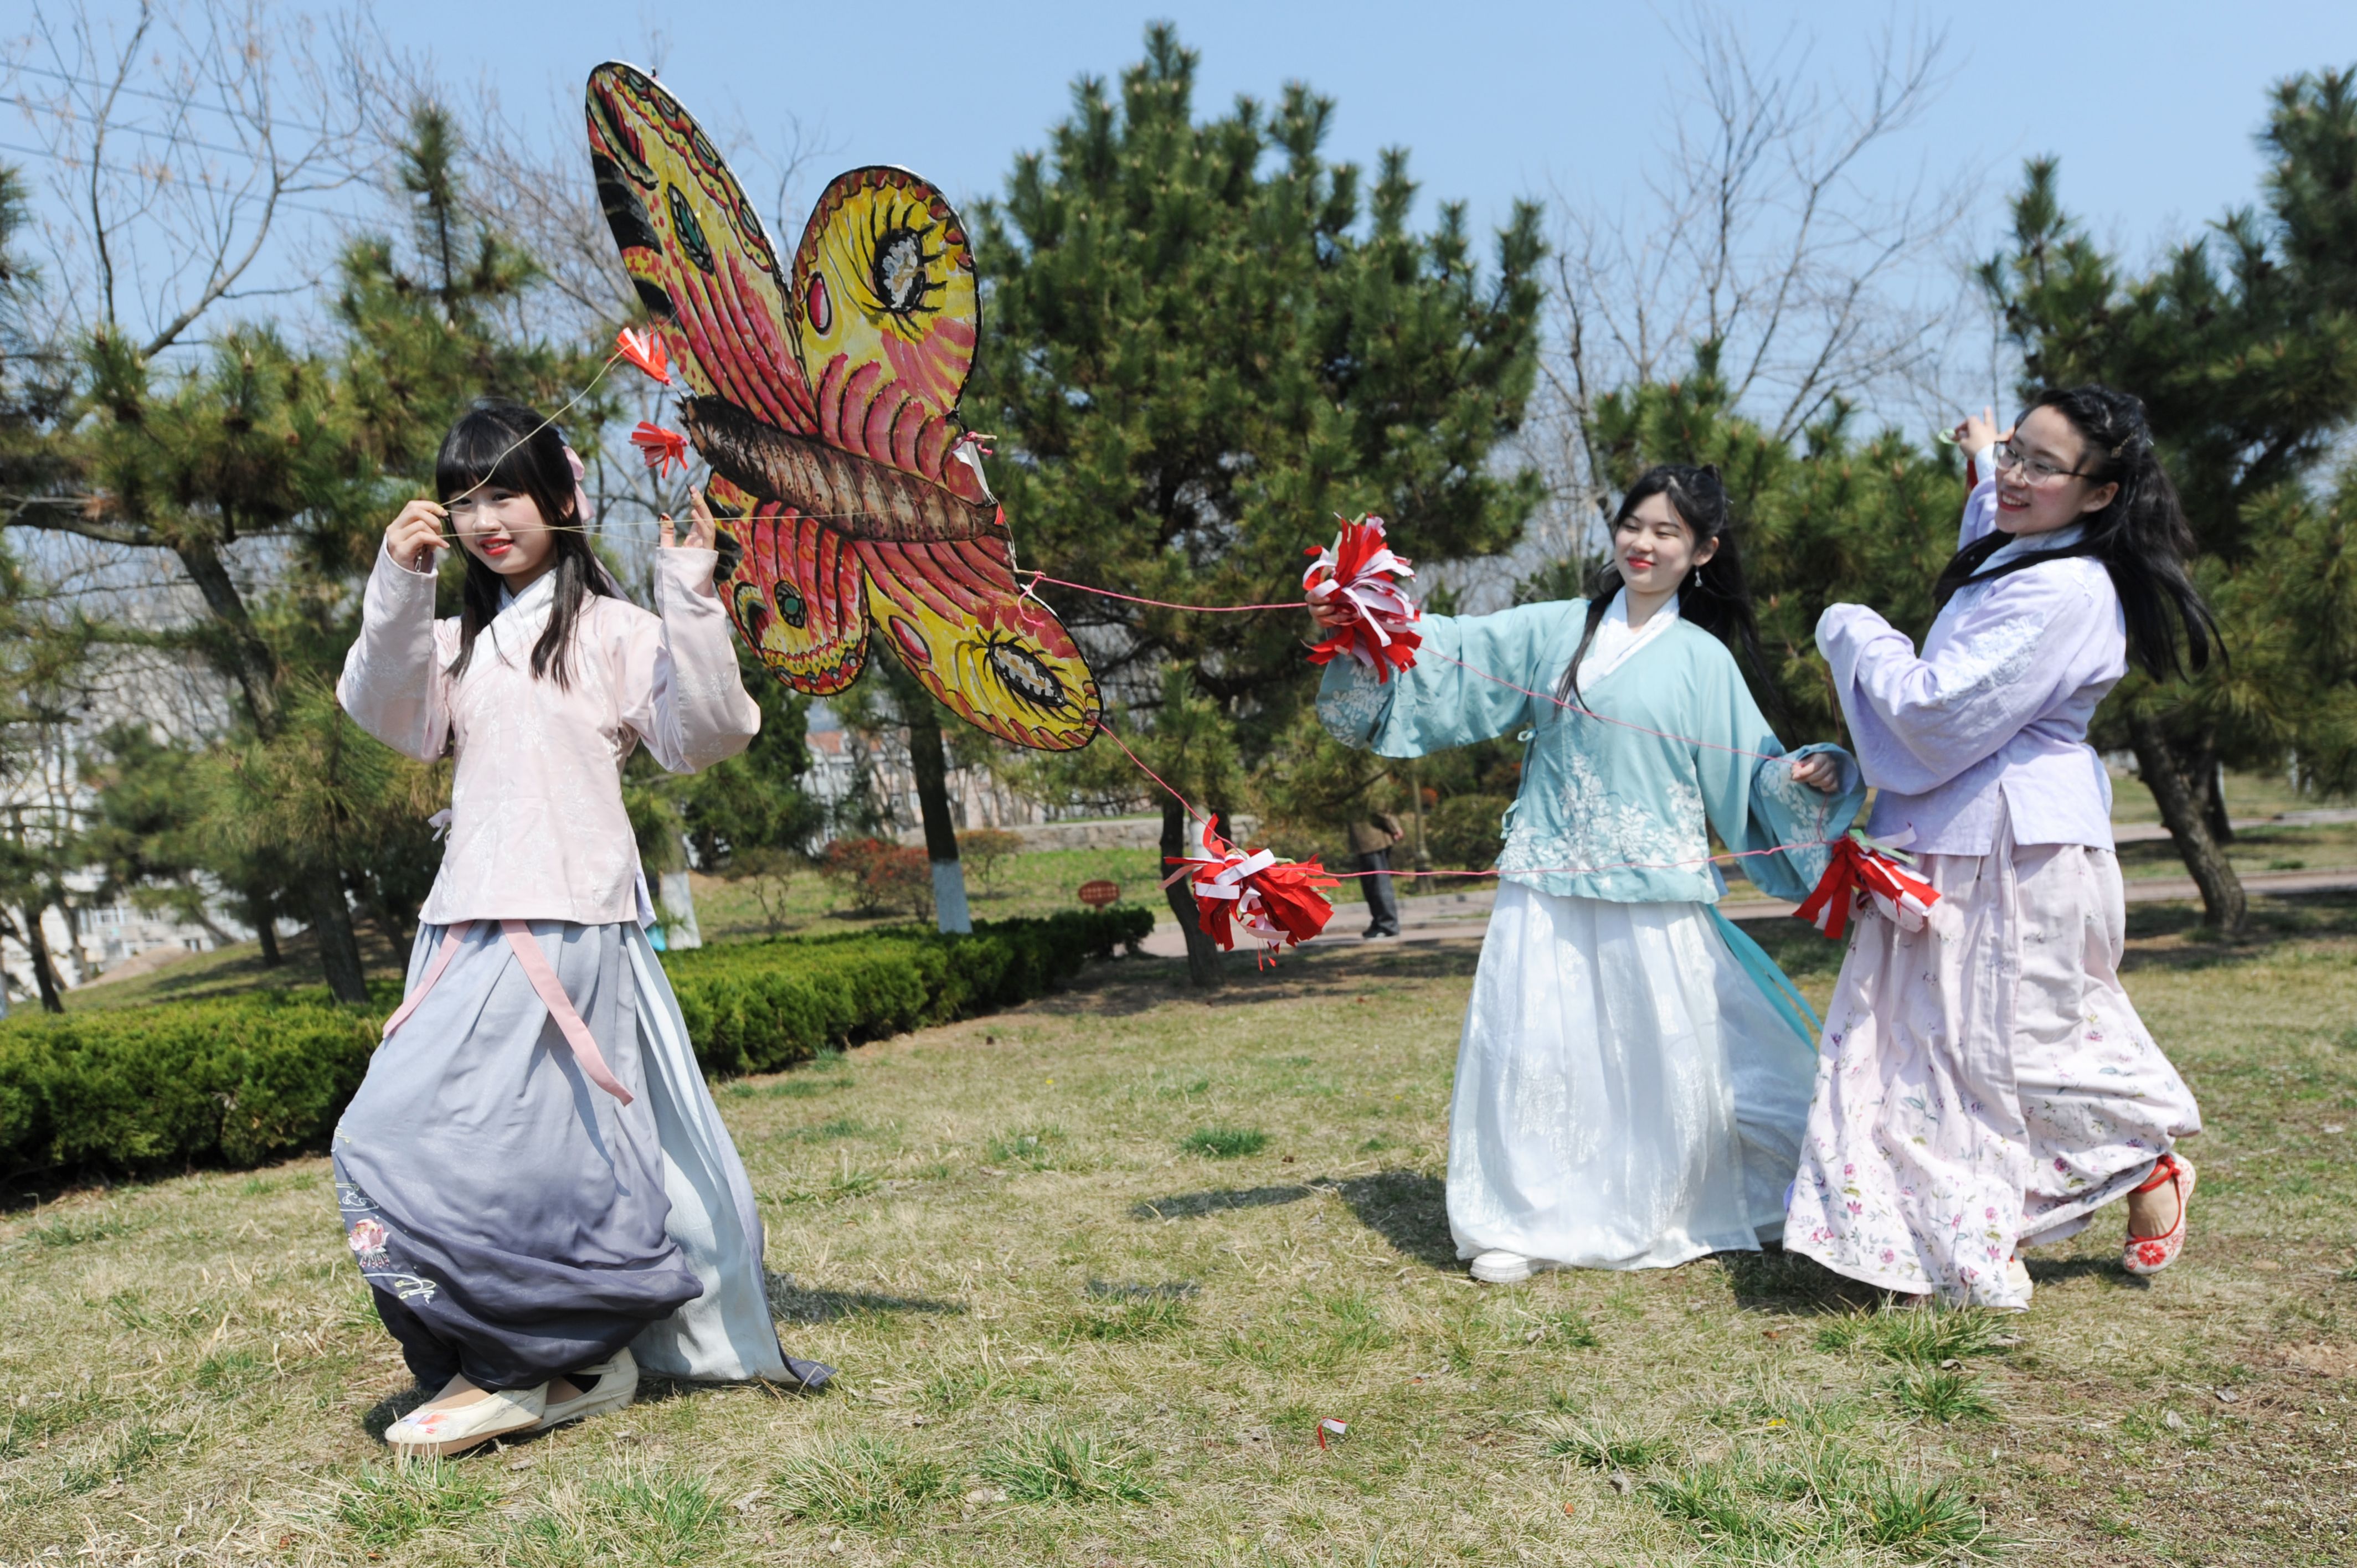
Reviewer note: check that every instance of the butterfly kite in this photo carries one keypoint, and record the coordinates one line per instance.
(825, 400)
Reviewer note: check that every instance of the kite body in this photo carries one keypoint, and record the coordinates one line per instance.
(824, 398)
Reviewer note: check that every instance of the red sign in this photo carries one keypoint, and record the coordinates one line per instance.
(1097, 894)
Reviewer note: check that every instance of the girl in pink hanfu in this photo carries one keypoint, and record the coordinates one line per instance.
(534, 1181)
(1985, 1085)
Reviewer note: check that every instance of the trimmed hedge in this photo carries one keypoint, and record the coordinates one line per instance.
(242, 1081)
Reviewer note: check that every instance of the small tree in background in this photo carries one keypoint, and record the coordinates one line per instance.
(1204, 342)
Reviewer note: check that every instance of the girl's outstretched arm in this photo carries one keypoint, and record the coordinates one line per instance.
(1441, 701)
(393, 684)
(680, 690)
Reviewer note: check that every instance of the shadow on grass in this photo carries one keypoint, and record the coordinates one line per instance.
(1134, 985)
(1195, 1204)
(1787, 1282)
(803, 1304)
(1406, 1208)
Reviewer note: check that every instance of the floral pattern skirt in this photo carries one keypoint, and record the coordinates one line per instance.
(1985, 1090)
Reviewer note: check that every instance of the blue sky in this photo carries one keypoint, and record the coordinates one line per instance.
(2151, 107)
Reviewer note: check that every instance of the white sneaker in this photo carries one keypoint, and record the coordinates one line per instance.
(617, 1385)
(1499, 1267)
(438, 1433)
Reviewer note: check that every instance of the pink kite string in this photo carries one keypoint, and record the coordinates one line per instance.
(1607, 719)
(1186, 806)
(1039, 577)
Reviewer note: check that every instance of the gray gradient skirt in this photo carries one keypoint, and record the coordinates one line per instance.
(517, 1221)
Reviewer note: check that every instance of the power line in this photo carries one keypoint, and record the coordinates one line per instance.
(163, 98)
(283, 202)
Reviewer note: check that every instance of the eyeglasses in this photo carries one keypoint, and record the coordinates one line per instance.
(2035, 469)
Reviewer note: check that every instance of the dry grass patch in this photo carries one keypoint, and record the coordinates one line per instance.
(1065, 1339)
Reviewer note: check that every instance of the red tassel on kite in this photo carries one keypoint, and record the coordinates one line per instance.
(1866, 868)
(1359, 573)
(1276, 902)
(662, 447)
(645, 349)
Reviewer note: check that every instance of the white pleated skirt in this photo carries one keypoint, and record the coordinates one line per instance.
(1627, 1096)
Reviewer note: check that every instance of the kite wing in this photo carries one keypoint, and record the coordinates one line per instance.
(852, 496)
(886, 324)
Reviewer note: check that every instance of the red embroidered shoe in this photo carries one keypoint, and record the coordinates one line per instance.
(2150, 1254)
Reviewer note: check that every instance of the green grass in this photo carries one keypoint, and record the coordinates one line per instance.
(1224, 1142)
(384, 1504)
(1941, 1396)
(1058, 1463)
(864, 1481)
(1064, 1338)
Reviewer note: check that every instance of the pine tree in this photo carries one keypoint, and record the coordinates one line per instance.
(2244, 346)
(1200, 345)
(314, 447)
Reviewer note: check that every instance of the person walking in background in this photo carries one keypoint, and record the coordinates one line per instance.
(1372, 833)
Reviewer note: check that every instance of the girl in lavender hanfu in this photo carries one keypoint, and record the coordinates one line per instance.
(1634, 1072)
(533, 1176)
(1990, 1088)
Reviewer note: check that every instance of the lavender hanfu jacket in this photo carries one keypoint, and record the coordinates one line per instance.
(1995, 709)
(537, 827)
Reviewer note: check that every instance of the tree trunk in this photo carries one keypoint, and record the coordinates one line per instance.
(1202, 954)
(340, 947)
(265, 931)
(2213, 805)
(931, 765)
(242, 651)
(45, 973)
(2184, 809)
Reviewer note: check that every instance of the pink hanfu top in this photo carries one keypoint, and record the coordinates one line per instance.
(537, 827)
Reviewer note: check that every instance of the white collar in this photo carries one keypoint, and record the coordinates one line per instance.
(2035, 543)
(542, 588)
(1615, 643)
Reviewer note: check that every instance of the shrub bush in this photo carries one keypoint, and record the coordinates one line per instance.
(880, 876)
(242, 1081)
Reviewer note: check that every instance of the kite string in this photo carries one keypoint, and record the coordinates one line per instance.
(1188, 807)
(563, 409)
(1038, 577)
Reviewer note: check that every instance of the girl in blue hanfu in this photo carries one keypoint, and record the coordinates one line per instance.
(533, 1176)
(1634, 1072)
(1990, 1088)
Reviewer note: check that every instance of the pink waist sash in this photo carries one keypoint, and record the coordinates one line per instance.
(534, 963)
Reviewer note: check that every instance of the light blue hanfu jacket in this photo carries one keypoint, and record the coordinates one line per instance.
(1605, 811)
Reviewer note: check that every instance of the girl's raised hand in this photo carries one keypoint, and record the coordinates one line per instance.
(1819, 771)
(1979, 431)
(416, 534)
(703, 530)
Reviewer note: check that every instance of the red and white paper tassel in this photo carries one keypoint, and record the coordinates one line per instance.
(660, 448)
(1359, 573)
(1866, 871)
(645, 349)
(1274, 901)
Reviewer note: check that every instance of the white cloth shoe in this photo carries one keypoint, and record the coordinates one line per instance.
(2017, 1274)
(1499, 1267)
(438, 1433)
(617, 1385)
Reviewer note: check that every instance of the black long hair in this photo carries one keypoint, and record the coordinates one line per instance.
(1712, 597)
(505, 446)
(2142, 537)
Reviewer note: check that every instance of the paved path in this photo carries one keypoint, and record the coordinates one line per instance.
(1465, 917)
